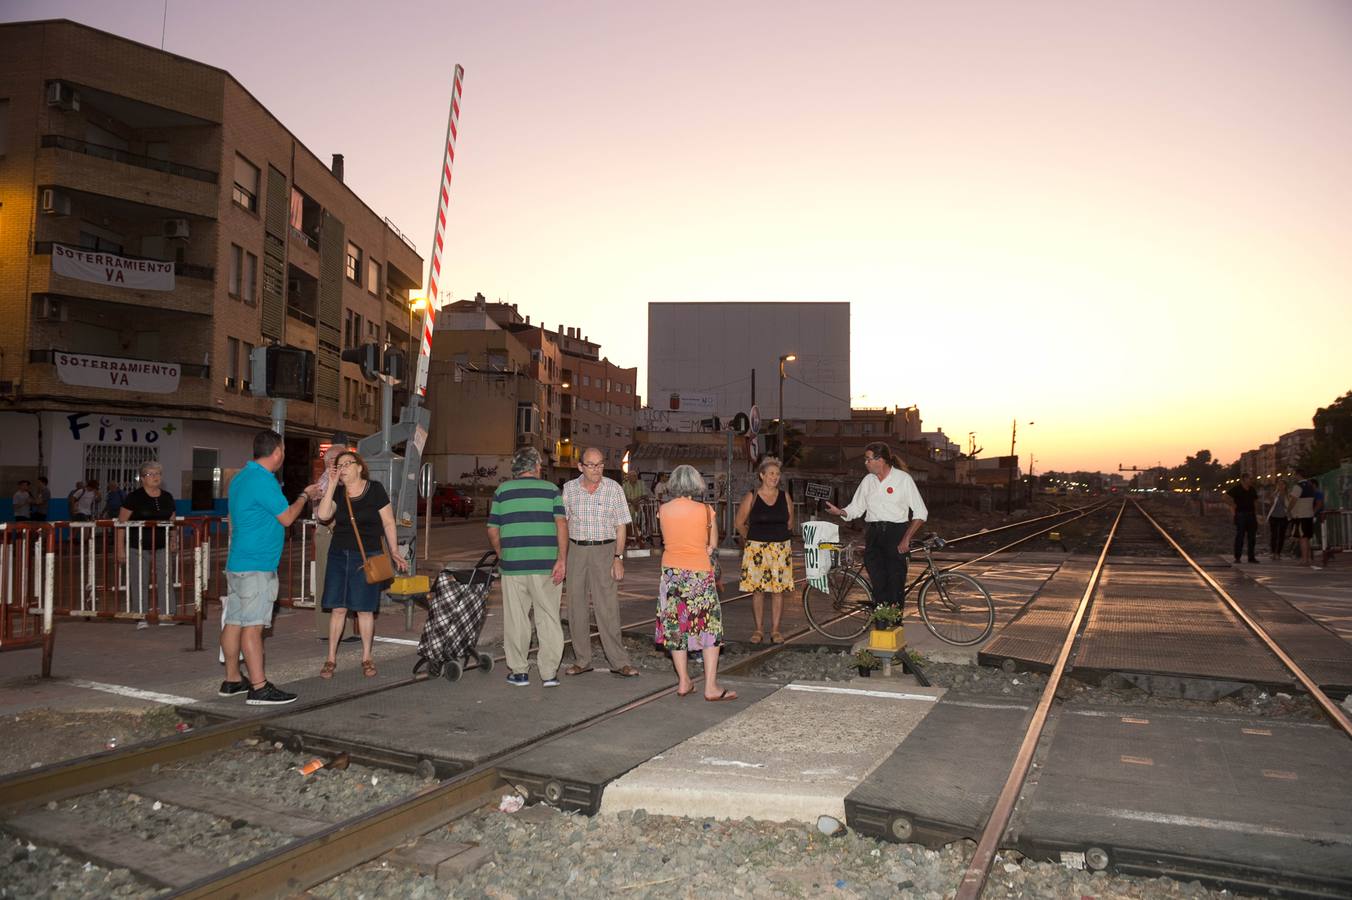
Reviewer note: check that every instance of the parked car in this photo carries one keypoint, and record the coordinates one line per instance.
(448, 501)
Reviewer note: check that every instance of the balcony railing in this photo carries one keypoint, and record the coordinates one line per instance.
(189, 370)
(132, 159)
(186, 270)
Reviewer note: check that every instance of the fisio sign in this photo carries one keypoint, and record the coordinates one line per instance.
(118, 429)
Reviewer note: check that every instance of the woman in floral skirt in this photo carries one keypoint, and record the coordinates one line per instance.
(688, 613)
(765, 521)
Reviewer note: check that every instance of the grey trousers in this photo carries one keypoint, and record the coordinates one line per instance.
(591, 577)
(151, 589)
(522, 595)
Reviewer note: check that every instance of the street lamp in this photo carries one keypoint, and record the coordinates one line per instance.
(787, 357)
(1013, 435)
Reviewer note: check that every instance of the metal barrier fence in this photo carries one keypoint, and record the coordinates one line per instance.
(1336, 530)
(147, 572)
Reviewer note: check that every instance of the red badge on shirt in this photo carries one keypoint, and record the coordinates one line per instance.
(889, 490)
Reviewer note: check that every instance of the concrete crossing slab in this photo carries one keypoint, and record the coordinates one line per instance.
(791, 757)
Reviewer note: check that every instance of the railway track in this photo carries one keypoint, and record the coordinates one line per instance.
(1136, 533)
(325, 850)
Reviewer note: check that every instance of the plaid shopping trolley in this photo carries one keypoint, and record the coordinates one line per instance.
(456, 608)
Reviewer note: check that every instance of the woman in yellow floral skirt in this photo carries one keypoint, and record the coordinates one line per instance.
(765, 522)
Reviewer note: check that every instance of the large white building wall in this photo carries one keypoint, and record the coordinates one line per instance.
(711, 349)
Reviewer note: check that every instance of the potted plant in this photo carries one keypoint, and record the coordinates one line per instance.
(886, 634)
(865, 662)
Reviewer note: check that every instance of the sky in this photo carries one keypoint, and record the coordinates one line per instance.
(1129, 223)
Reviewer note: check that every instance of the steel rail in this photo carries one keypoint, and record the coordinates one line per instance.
(978, 868)
(327, 853)
(1330, 708)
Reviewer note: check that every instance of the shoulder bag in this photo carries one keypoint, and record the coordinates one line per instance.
(377, 568)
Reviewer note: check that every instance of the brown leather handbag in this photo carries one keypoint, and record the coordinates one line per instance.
(377, 568)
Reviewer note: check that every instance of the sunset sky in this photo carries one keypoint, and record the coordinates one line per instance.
(1130, 222)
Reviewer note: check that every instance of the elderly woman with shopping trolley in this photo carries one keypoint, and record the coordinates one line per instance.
(362, 516)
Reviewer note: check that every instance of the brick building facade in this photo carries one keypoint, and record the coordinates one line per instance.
(118, 159)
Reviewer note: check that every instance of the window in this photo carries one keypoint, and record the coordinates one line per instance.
(94, 238)
(372, 332)
(249, 292)
(353, 262)
(4, 127)
(305, 215)
(236, 269)
(246, 184)
(231, 363)
(248, 366)
(586, 381)
(373, 278)
(206, 477)
(352, 330)
(497, 362)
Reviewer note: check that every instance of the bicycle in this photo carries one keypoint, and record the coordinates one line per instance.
(956, 608)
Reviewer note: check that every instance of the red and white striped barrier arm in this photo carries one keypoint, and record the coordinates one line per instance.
(434, 272)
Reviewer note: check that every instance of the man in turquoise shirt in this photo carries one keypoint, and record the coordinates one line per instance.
(259, 517)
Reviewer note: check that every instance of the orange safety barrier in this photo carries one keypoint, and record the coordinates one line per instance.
(295, 572)
(26, 588)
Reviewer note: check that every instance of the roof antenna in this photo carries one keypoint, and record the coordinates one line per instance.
(163, 23)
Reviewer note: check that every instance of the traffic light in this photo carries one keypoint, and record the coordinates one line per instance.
(395, 364)
(282, 373)
(368, 357)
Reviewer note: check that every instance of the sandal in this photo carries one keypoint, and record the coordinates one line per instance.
(577, 670)
(326, 670)
(757, 637)
(776, 637)
(368, 668)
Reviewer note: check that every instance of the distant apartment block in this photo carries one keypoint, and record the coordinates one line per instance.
(156, 224)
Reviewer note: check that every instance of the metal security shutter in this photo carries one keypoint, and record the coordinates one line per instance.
(328, 327)
(274, 256)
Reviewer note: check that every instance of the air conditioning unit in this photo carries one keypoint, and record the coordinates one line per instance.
(176, 228)
(525, 439)
(63, 95)
(54, 202)
(47, 309)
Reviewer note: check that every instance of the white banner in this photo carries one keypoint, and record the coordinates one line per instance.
(118, 374)
(111, 269)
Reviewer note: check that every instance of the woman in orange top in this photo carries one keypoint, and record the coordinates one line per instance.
(688, 613)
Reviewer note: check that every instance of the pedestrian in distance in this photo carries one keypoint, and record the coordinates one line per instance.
(148, 544)
(113, 501)
(72, 497)
(598, 518)
(23, 501)
(42, 495)
(528, 530)
(362, 515)
(259, 517)
(765, 522)
(689, 617)
(1244, 502)
(1301, 506)
(1277, 519)
(324, 534)
(890, 503)
(88, 502)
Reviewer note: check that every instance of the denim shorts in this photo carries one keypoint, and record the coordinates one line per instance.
(345, 584)
(249, 598)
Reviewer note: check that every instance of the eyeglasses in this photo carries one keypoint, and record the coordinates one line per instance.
(344, 465)
(592, 465)
(869, 459)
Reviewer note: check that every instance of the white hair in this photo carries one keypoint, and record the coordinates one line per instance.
(686, 481)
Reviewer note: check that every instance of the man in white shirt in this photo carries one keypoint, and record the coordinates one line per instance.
(890, 503)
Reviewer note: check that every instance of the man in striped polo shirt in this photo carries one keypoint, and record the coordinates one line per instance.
(528, 528)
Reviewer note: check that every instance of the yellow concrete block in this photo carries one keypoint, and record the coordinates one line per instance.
(892, 639)
(410, 584)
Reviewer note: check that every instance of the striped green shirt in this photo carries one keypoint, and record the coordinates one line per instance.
(524, 511)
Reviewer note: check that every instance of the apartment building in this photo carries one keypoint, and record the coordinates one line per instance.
(524, 385)
(157, 223)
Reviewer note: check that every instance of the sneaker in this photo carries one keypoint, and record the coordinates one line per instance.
(167, 623)
(550, 682)
(519, 679)
(231, 688)
(142, 625)
(269, 695)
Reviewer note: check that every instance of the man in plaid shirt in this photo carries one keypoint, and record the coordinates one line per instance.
(598, 516)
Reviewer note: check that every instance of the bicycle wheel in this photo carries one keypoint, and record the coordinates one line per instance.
(842, 612)
(957, 609)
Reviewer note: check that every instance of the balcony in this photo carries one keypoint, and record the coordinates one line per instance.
(132, 159)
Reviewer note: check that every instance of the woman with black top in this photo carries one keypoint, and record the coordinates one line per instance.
(765, 521)
(355, 504)
(148, 504)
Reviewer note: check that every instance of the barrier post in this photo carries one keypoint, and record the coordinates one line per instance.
(201, 559)
(48, 619)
